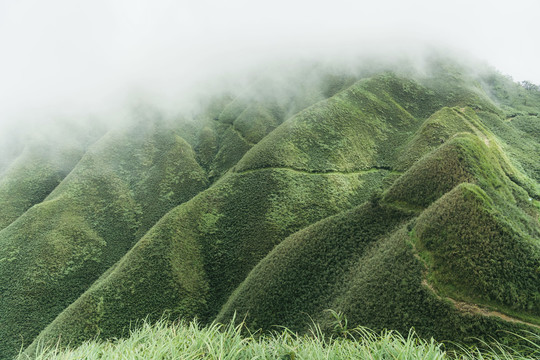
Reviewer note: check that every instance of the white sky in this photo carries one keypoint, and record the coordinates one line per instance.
(68, 55)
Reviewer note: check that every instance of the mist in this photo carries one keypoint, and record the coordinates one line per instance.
(87, 62)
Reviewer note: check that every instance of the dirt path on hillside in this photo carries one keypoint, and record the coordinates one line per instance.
(477, 131)
(330, 172)
(475, 309)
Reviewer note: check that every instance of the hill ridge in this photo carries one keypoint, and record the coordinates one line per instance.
(283, 204)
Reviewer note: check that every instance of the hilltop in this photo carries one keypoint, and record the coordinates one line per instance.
(399, 198)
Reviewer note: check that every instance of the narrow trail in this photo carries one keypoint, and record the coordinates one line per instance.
(465, 307)
(476, 309)
(331, 172)
(477, 132)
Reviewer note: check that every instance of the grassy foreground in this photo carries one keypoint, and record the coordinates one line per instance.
(183, 340)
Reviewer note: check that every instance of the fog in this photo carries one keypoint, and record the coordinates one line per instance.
(84, 60)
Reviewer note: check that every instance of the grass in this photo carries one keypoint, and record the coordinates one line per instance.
(189, 268)
(300, 277)
(183, 340)
(354, 130)
(31, 177)
(359, 263)
(282, 201)
(481, 255)
(54, 251)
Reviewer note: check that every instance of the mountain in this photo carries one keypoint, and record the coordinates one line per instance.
(402, 198)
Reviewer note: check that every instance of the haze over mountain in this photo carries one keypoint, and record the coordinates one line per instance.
(401, 198)
(72, 59)
(272, 161)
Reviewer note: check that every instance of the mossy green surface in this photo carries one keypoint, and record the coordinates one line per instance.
(189, 268)
(436, 130)
(354, 130)
(469, 250)
(380, 282)
(393, 198)
(52, 253)
(386, 283)
(30, 178)
(387, 288)
(475, 252)
(300, 277)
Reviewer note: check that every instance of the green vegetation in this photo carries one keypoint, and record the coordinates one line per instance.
(482, 257)
(385, 283)
(514, 98)
(436, 130)
(31, 178)
(401, 200)
(299, 279)
(52, 253)
(354, 130)
(188, 268)
(193, 341)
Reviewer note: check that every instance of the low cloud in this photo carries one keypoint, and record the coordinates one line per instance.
(88, 60)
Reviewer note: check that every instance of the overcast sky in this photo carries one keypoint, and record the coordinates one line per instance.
(65, 55)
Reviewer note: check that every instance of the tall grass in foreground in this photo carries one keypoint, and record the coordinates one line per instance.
(185, 340)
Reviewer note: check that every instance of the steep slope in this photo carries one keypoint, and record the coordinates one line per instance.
(484, 257)
(329, 136)
(238, 221)
(31, 177)
(119, 189)
(461, 248)
(272, 294)
(35, 165)
(299, 277)
(188, 268)
(399, 200)
(56, 249)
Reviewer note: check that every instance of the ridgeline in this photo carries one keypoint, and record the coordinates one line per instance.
(400, 199)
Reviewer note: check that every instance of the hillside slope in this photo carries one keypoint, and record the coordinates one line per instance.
(402, 201)
(120, 187)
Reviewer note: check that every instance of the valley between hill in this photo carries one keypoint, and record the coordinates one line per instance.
(397, 198)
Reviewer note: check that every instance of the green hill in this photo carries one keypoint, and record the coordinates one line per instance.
(400, 199)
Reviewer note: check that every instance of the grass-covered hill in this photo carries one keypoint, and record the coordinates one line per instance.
(399, 198)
